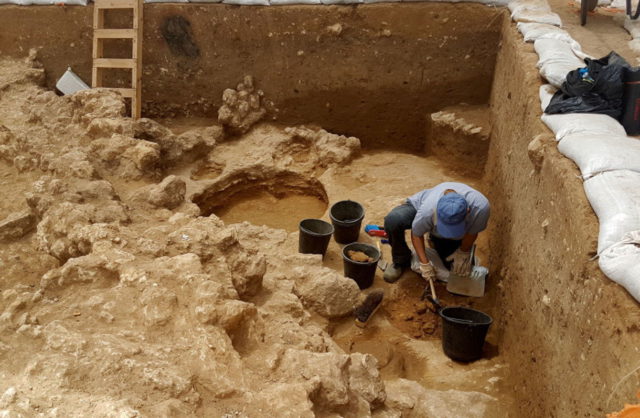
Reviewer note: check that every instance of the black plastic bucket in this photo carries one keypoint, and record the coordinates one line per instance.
(346, 217)
(315, 235)
(362, 273)
(463, 332)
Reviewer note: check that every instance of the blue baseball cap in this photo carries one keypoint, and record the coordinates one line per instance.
(451, 212)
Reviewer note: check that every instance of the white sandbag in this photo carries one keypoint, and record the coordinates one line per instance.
(621, 263)
(555, 51)
(203, 1)
(619, 4)
(592, 123)
(341, 1)
(615, 198)
(520, 5)
(595, 153)
(286, 2)
(556, 60)
(546, 92)
(536, 15)
(534, 31)
(247, 2)
(487, 2)
(51, 2)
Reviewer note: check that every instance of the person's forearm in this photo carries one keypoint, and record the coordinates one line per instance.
(467, 242)
(418, 245)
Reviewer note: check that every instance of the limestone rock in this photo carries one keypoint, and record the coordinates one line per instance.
(106, 127)
(89, 268)
(98, 189)
(209, 295)
(68, 230)
(150, 130)
(323, 373)
(126, 157)
(284, 400)
(330, 148)
(233, 314)
(8, 397)
(247, 271)
(8, 149)
(411, 398)
(169, 193)
(241, 108)
(167, 378)
(191, 145)
(60, 338)
(208, 238)
(171, 408)
(177, 149)
(205, 237)
(16, 225)
(325, 291)
(97, 103)
(536, 150)
(216, 304)
(364, 378)
(74, 163)
(159, 304)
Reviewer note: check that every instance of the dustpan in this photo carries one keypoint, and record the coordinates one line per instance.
(70, 83)
(471, 285)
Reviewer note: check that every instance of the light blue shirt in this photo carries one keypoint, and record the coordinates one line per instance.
(425, 203)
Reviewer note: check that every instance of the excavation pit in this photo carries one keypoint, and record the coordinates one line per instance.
(280, 202)
(376, 72)
(261, 207)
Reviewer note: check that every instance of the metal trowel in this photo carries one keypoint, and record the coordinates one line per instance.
(471, 285)
(382, 265)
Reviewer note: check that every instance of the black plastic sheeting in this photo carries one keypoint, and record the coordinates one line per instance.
(596, 88)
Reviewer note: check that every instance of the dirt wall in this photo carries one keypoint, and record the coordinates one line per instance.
(571, 334)
(371, 71)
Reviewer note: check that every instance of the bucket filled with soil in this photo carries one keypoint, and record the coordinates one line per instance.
(315, 235)
(346, 217)
(360, 262)
(463, 332)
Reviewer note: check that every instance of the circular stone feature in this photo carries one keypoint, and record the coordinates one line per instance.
(278, 202)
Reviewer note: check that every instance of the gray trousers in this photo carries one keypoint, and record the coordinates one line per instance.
(399, 220)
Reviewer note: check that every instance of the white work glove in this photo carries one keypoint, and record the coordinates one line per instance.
(427, 272)
(461, 262)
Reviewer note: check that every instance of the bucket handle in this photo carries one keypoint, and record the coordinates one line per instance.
(436, 303)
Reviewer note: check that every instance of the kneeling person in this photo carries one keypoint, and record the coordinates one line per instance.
(451, 213)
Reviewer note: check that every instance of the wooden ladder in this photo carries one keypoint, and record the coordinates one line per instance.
(100, 62)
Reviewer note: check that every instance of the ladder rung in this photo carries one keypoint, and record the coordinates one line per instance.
(114, 63)
(116, 4)
(114, 33)
(125, 92)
